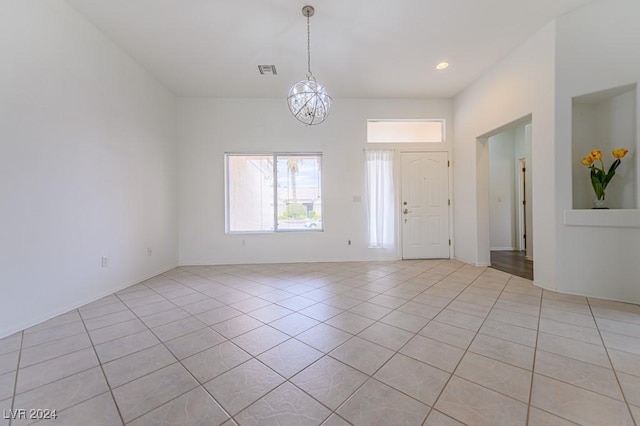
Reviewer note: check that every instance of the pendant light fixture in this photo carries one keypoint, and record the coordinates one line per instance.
(308, 100)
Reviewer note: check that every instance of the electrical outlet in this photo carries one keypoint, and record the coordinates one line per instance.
(244, 243)
(105, 261)
(149, 251)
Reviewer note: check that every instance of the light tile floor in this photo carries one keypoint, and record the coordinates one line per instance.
(407, 342)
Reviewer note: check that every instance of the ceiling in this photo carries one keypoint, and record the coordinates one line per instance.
(359, 48)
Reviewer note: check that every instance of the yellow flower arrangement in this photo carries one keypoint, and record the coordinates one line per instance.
(620, 152)
(599, 178)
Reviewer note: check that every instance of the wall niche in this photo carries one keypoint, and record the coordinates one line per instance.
(606, 120)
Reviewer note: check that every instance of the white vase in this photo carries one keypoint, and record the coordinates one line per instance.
(600, 204)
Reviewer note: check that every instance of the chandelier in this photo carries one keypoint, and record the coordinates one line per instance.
(308, 100)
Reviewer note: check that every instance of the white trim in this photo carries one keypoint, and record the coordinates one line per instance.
(26, 324)
(587, 294)
(315, 260)
(544, 286)
(610, 218)
(449, 196)
(274, 155)
(503, 249)
(520, 207)
(443, 130)
(477, 264)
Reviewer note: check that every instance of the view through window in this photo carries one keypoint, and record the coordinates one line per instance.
(406, 131)
(274, 192)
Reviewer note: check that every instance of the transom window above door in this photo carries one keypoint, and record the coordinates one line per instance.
(406, 131)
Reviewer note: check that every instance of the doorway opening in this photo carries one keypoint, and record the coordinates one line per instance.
(509, 195)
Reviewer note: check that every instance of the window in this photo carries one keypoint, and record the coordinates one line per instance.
(405, 131)
(274, 192)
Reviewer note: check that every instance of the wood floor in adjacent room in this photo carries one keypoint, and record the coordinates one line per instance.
(402, 343)
(512, 262)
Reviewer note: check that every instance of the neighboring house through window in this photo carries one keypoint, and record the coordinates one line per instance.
(273, 192)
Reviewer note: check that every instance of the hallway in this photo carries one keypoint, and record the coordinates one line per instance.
(512, 262)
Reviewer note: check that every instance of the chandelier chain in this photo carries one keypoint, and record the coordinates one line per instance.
(308, 47)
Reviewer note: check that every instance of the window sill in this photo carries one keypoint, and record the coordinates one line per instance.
(279, 231)
(612, 218)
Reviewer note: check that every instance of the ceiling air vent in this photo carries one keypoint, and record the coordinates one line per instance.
(267, 69)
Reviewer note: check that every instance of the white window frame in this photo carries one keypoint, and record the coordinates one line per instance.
(442, 121)
(274, 155)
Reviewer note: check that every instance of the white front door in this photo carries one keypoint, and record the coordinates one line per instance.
(425, 205)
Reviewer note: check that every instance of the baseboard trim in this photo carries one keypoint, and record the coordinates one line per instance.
(468, 262)
(267, 262)
(544, 286)
(587, 294)
(24, 325)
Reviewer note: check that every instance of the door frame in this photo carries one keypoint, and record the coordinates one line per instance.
(482, 188)
(398, 177)
(521, 163)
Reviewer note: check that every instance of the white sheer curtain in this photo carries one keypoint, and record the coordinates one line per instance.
(380, 198)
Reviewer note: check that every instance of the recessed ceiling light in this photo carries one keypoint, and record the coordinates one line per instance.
(442, 65)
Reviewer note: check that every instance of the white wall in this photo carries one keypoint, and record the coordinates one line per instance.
(87, 165)
(597, 49)
(521, 84)
(210, 127)
(502, 191)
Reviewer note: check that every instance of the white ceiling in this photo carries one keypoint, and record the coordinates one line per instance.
(359, 48)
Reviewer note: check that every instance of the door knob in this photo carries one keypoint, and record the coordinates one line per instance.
(406, 211)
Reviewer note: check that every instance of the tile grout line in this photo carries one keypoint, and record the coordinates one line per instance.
(102, 370)
(127, 308)
(87, 333)
(591, 316)
(54, 340)
(289, 337)
(431, 407)
(472, 340)
(228, 340)
(286, 380)
(535, 354)
(65, 377)
(398, 351)
(577, 386)
(15, 379)
(206, 326)
(326, 354)
(178, 361)
(615, 373)
(210, 297)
